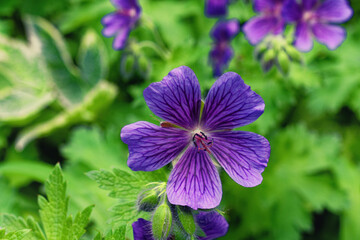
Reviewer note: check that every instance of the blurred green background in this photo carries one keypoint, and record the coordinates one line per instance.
(67, 102)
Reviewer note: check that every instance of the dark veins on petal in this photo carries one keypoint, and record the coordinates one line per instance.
(152, 147)
(177, 98)
(194, 181)
(230, 104)
(243, 155)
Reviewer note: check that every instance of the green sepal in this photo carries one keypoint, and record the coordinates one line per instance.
(283, 62)
(148, 200)
(161, 222)
(187, 220)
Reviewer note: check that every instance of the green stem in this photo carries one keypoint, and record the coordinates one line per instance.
(148, 44)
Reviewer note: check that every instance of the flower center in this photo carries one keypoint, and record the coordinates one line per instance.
(202, 142)
(309, 16)
(128, 12)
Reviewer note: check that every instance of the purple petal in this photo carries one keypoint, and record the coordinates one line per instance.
(152, 147)
(303, 37)
(194, 181)
(292, 11)
(258, 27)
(335, 11)
(125, 4)
(230, 103)
(213, 224)
(216, 8)
(309, 4)
(142, 230)
(113, 23)
(220, 56)
(243, 155)
(177, 98)
(263, 5)
(121, 38)
(225, 30)
(331, 36)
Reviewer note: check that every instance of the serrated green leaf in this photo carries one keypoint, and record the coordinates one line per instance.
(15, 235)
(53, 210)
(125, 185)
(13, 223)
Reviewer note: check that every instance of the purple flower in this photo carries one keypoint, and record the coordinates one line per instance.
(269, 21)
(216, 8)
(211, 223)
(221, 53)
(121, 22)
(315, 18)
(201, 137)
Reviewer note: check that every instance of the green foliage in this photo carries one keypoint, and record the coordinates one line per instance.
(126, 186)
(24, 86)
(297, 183)
(53, 215)
(161, 222)
(59, 78)
(17, 235)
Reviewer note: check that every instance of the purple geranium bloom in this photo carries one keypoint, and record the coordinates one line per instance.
(221, 53)
(216, 8)
(270, 20)
(121, 22)
(211, 223)
(315, 18)
(201, 138)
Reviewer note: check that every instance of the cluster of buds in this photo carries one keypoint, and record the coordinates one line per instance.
(172, 221)
(277, 50)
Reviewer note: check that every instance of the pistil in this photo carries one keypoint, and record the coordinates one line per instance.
(202, 142)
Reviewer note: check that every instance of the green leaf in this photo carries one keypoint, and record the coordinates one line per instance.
(64, 74)
(53, 211)
(126, 186)
(24, 82)
(17, 235)
(13, 223)
(298, 182)
(88, 145)
(8, 197)
(95, 101)
(92, 58)
(83, 14)
(75, 229)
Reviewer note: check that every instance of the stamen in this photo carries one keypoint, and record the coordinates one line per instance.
(202, 142)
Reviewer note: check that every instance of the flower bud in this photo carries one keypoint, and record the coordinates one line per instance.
(127, 65)
(294, 54)
(283, 62)
(143, 66)
(187, 221)
(148, 200)
(268, 60)
(161, 222)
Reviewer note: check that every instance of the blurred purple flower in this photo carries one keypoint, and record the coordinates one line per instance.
(221, 53)
(269, 21)
(195, 181)
(121, 22)
(216, 8)
(314, 18)
(211, 223)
